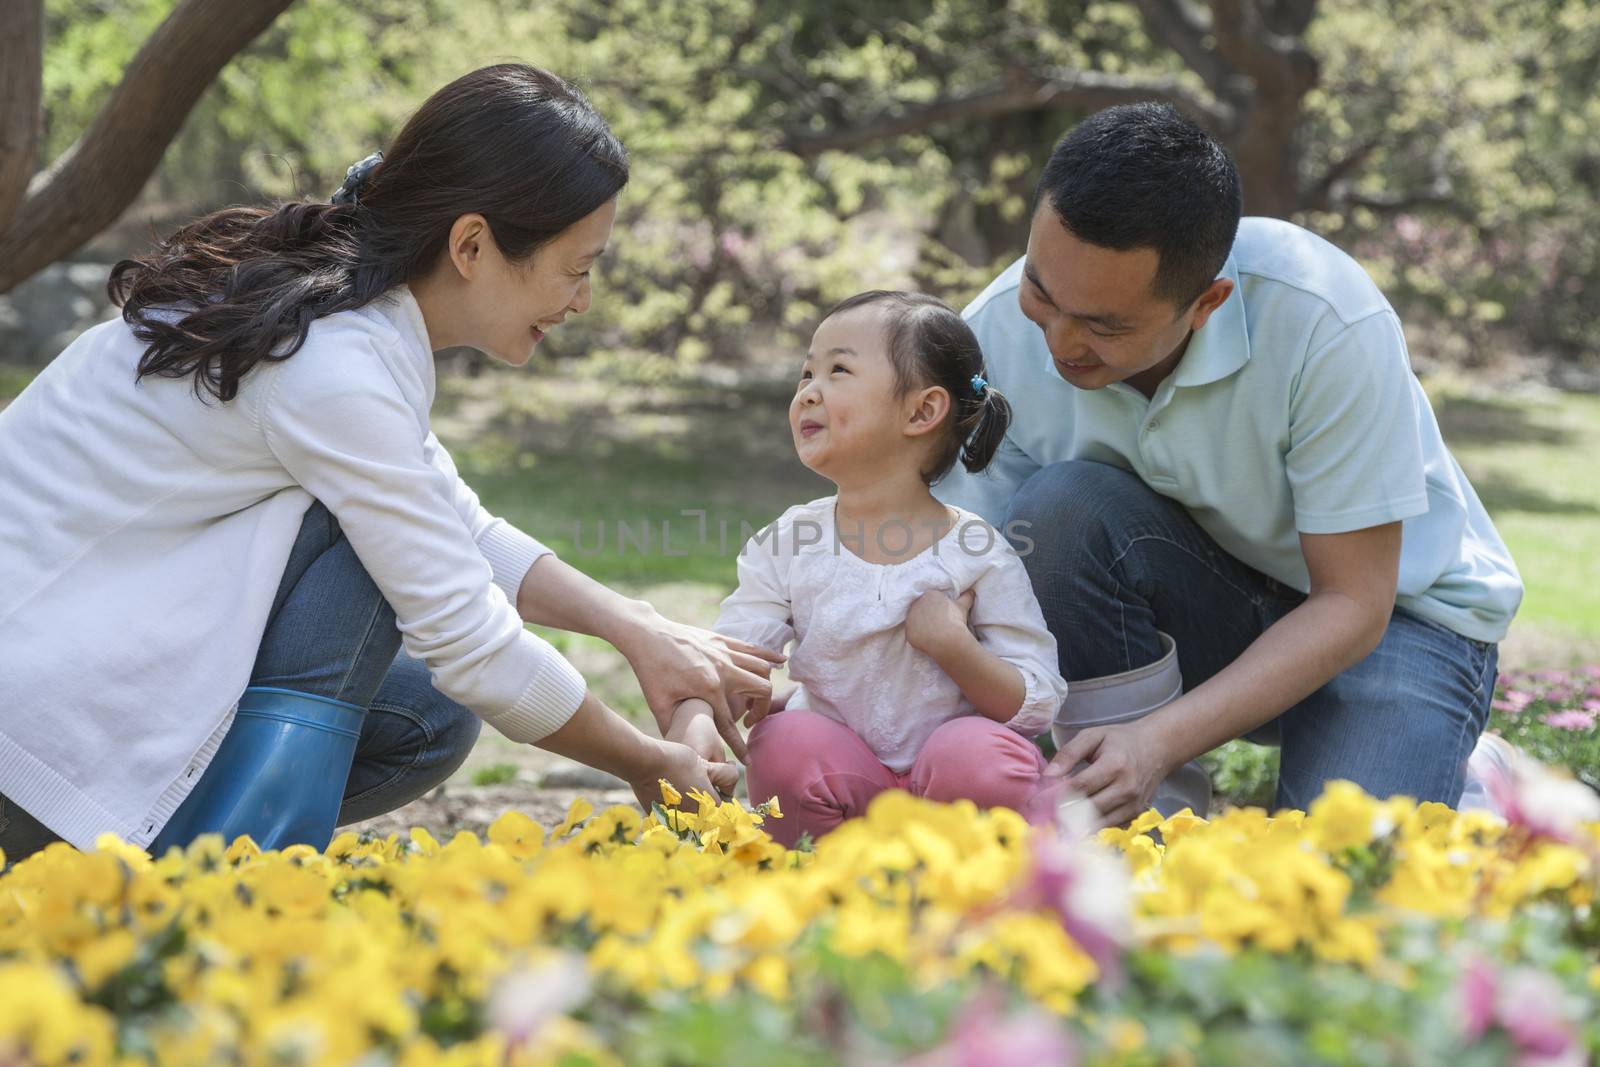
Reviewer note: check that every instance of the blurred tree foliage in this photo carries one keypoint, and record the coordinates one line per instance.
(788, 154)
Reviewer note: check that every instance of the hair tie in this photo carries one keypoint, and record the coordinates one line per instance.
(356, 179)
(978, 384)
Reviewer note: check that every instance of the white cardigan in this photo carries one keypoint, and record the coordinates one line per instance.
(144, 532)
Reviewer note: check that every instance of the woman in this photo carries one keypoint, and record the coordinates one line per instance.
(233, 490)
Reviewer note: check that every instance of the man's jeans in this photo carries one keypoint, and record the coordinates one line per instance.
(1113, 562)
(332, 634)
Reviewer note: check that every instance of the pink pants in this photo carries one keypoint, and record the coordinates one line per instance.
(823, 773)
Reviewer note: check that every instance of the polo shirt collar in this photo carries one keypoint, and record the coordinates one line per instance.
(1222, 345)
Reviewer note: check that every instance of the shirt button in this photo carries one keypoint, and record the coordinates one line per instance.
(1155, 424)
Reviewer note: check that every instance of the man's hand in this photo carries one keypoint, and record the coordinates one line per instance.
(1124, 766)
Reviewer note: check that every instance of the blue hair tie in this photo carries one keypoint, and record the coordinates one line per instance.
(978, 384)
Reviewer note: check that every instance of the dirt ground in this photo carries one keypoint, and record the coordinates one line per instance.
(457, 806)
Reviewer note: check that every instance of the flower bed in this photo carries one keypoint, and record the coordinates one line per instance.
(923, 934)
(1552, 715)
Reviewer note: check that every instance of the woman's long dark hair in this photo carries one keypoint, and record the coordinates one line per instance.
(511, 142)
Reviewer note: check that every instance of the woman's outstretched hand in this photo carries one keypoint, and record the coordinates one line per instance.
(674, 662)
(601, 738)
(694, 725)
(687, 770)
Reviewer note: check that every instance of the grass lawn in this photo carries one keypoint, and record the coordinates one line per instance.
(1533, 459)
(604, 471)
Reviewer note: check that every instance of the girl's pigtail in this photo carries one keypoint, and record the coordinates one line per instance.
(987, 428)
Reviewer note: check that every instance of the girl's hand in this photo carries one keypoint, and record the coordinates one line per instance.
(935, 619)
(761, 709)
(693, 725)
(675, 662)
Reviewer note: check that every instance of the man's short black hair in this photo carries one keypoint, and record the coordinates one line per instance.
(1144, 176)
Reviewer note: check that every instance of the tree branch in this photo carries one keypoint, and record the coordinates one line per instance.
(1086, 90)
(1179, 26)
(1322, 193)
(21, 73)
(97, 178)
(1440, 195)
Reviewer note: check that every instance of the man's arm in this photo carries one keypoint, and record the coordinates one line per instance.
(1353, 581)
(1355, 465)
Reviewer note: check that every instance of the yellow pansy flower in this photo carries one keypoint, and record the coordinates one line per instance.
(517, 834)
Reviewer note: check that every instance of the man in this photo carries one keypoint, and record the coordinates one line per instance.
(1218, 437)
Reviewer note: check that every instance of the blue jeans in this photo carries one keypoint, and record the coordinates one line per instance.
(331, 633)
(1113, 562)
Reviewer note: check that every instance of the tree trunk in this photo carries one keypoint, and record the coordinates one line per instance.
(96, 179)
(1268, 160)
(21, 71)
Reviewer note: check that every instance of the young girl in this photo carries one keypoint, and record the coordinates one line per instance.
(921, 656)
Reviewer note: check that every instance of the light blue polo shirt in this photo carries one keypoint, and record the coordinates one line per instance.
(1294, 410)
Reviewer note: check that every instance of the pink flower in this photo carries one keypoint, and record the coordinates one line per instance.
(1528, 1004)
(525, 1000)
(1569, 720)
(1534, 797)
(1514, 702)
(1087, 887)
(1476, 994)
(983, 1036)
(1529, 1007)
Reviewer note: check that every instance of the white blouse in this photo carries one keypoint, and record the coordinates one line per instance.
(800, 580)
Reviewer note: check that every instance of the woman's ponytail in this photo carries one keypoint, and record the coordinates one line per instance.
(242, 286)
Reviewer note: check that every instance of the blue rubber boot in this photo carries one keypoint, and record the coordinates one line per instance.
(279, 774)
